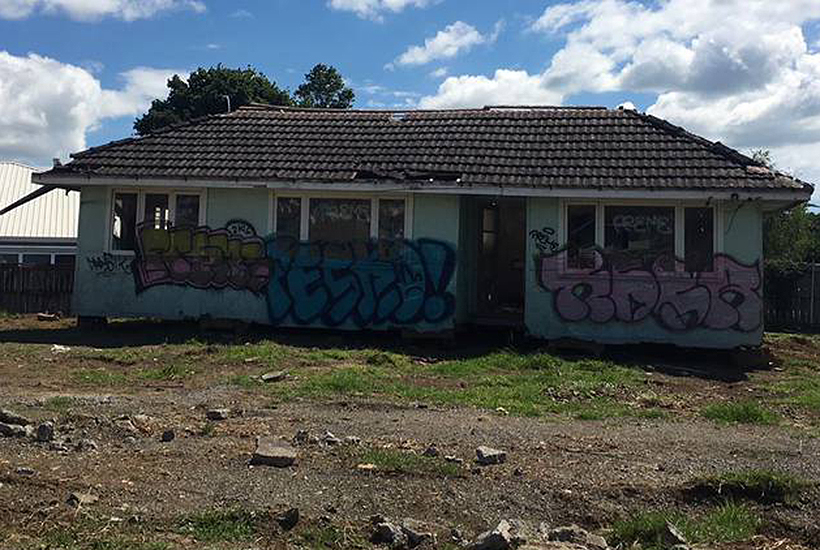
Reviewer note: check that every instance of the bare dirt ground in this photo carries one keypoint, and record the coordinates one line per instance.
(153, 494)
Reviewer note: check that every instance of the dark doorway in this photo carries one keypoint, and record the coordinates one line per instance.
(501, 260)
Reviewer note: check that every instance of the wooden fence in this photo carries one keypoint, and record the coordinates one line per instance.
(36, 289)
(792, 299)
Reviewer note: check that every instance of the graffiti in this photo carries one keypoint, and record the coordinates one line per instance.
(201, 257)
(654, 224)
(366, 284)
(109, 264)
(544, 239)
(728, 298)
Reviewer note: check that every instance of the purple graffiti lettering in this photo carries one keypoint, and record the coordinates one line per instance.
(728, 298)
(202, 258)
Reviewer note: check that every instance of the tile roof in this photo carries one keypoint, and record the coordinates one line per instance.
(552, 147)
(52, 216)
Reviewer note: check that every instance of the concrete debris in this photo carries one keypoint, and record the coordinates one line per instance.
(274, 452)
(45, 432)
(270, 377)
(487, 456)
(352, 440)
(12, 430)
(218, 414)
(389, 533)
(75, 500)
(9, 417)
(330, 439)
(499, 538)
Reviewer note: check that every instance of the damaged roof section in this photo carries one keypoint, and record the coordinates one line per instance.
(526, 147)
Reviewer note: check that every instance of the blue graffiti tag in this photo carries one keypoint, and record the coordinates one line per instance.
(366, 284)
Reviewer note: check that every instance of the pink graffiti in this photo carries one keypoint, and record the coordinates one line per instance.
(200, 257)
(728, 298)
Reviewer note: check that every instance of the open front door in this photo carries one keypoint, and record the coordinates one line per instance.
(501, 261)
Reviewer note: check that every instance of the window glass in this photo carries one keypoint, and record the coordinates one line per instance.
(699, 239)
(344, 223)
(186, 211)
(37, 259)
(156, 211)
(64, 260)
(391, 219)
(8, 258)
(581, 236)
(288, 217)
(125, 221)
(640, 236)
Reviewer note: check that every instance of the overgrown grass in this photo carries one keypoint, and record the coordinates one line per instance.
(522, 384)
(165, 373)
(740, 412)
(394, 461)
(220, 525)
(59, 403)
(99, 377)
(764, 486)
(729, 522)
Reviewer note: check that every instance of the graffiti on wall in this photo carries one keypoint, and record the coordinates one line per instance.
(544, 240)
(373, 283)
(108, 265)
(728, 298)
(201, 257)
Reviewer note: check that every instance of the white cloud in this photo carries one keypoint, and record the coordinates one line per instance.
(453, 40)
(375, 9)
(49, 106)
(441, 72)
(91, 10)
(740, 71)
(506, 87)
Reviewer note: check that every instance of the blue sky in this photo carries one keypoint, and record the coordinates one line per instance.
(75, 73)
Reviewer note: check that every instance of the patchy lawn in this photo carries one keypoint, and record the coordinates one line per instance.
(621, 444)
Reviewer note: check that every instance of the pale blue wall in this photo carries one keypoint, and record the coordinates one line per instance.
(742, 240)
(112, 292)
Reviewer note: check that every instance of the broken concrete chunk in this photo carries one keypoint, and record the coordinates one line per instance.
(270, 377)
(577, 535)
(330, 439)
(352, 440)
(218, 414)
(76, 500)
(389, 533)
(499, 538)
(271, 451)
(416, 532)
(488, 455)
(9, 417)
(45, 432)
(12, 430)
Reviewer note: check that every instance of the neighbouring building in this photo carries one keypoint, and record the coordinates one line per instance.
(42, 231)
(605, 225)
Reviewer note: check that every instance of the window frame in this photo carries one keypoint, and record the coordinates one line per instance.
(304, 225)
(141, 192)
(680, 217)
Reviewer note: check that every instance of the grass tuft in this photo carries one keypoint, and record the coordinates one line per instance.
(763, 486)
(221, 525)
(740, 412)
(401, 462)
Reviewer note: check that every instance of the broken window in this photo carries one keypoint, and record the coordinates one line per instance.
(391, 218)
(699, 239)
(186, 212)
(343, 225)
(581, 236)
(288, 217)
(156, 211)
(640, 237)
(123, 231)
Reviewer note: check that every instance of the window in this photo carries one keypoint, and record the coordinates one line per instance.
(391, 218)
(36, 259)
(158, 210)
(581, 236)
(8, 258)
(64, 260)
(288, 217)
(125, 221)
(186, 212)
(699, 240)
(640, 236)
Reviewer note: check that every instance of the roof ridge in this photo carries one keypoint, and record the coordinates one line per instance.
(253, 106)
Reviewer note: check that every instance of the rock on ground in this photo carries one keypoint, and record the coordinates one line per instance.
(271, 451)
(389, 533)
(270, 377)
(576, 535)
(45, 432)
(499, 538)
(218, 414)
(488, 455)
(12, 430)
(9, 417)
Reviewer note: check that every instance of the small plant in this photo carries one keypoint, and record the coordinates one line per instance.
(221, 525)
(741, 412)
(59, 403)
(759, 485)
(168, 372)
(400, 462)
(99, 377)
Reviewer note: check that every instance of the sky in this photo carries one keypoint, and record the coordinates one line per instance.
(76, 73)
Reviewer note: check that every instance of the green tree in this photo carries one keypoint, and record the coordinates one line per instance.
(205, 93)
(324, 88)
